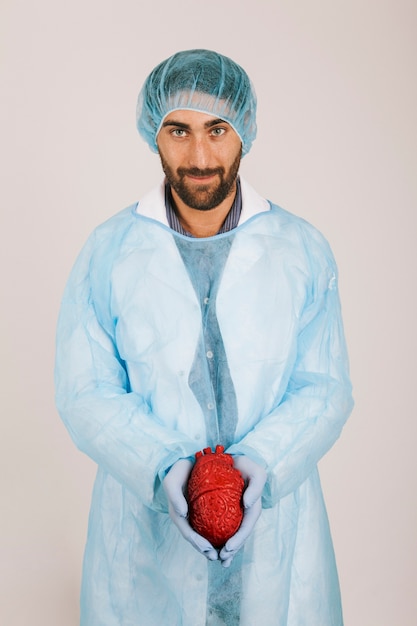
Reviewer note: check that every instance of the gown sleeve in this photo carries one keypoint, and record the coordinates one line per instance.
(293, 437)
(107, 421)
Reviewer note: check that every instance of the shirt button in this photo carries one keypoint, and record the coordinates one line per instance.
(210, 406)
(197, 437)
(209, 354)
(206, 300)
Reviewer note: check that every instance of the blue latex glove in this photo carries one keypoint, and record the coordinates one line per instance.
(174, 484)
(255, 478)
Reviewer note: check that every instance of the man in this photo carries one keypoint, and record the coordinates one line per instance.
(204, 315)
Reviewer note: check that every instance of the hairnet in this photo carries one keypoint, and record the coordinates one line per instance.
(198, 80)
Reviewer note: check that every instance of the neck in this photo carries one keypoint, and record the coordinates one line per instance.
(203, 223)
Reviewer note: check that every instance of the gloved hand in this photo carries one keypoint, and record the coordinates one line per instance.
(175, 484)
(255, 477)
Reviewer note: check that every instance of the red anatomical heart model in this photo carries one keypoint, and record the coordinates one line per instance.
(215, 492)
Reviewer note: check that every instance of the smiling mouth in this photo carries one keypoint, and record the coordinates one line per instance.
(200, 175)
(201, 179)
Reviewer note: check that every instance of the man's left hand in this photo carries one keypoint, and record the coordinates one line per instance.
(255, 477)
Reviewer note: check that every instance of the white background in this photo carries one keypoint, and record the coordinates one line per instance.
(336, 84)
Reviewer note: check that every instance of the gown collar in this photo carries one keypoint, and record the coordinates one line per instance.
(152, 205)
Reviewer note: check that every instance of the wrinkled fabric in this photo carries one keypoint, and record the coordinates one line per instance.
(130, 327)
(198, 80)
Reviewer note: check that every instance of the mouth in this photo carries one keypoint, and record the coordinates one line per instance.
(200, 177)
(202, 180)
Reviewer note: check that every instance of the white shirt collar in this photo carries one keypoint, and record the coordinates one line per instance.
(152, 205)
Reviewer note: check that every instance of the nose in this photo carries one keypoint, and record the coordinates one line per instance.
(200, 153)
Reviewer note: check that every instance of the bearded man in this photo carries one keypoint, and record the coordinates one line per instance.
(203, 315)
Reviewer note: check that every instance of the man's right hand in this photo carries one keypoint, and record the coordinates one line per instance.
(175, 484)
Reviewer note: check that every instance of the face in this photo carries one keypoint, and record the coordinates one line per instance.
(200, 155)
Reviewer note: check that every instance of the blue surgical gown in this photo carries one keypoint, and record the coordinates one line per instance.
(130, 392)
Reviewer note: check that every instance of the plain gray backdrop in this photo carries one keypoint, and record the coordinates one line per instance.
(336, 84)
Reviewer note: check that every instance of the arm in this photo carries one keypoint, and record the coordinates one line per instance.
(290, 440)
(106, 420)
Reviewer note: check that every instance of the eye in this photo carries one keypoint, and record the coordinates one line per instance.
(218, 131)
(178, 132)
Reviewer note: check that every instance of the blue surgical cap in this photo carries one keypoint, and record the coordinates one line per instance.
(198, 80)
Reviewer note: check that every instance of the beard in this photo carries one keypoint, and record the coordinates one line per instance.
(202, 197)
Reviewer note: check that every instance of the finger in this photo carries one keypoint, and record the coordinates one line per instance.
(179, 504)
(251, 494)
(178, 474)
(202, 545)
(254, 489)
(227, 562)
(250, 517)
(197, 541)
(233, 545)
(227, 553)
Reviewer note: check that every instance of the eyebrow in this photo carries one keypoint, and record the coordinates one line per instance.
(208, 124)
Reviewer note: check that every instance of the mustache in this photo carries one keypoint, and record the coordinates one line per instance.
(195, 171)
